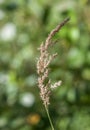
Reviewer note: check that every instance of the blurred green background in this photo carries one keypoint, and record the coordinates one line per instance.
(24, 24)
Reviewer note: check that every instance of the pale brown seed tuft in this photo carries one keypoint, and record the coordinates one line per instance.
(43, 62)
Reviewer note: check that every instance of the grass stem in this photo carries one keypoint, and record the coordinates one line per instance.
(47, 111)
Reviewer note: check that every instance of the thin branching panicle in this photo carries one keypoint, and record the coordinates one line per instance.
(43, 68)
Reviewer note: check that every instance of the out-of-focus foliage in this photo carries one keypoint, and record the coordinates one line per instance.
(24, 24)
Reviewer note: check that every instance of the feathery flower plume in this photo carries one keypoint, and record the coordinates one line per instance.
(43, 66)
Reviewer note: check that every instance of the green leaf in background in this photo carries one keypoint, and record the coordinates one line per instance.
(75, 58)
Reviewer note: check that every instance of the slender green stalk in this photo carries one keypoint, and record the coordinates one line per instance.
(47, 111)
